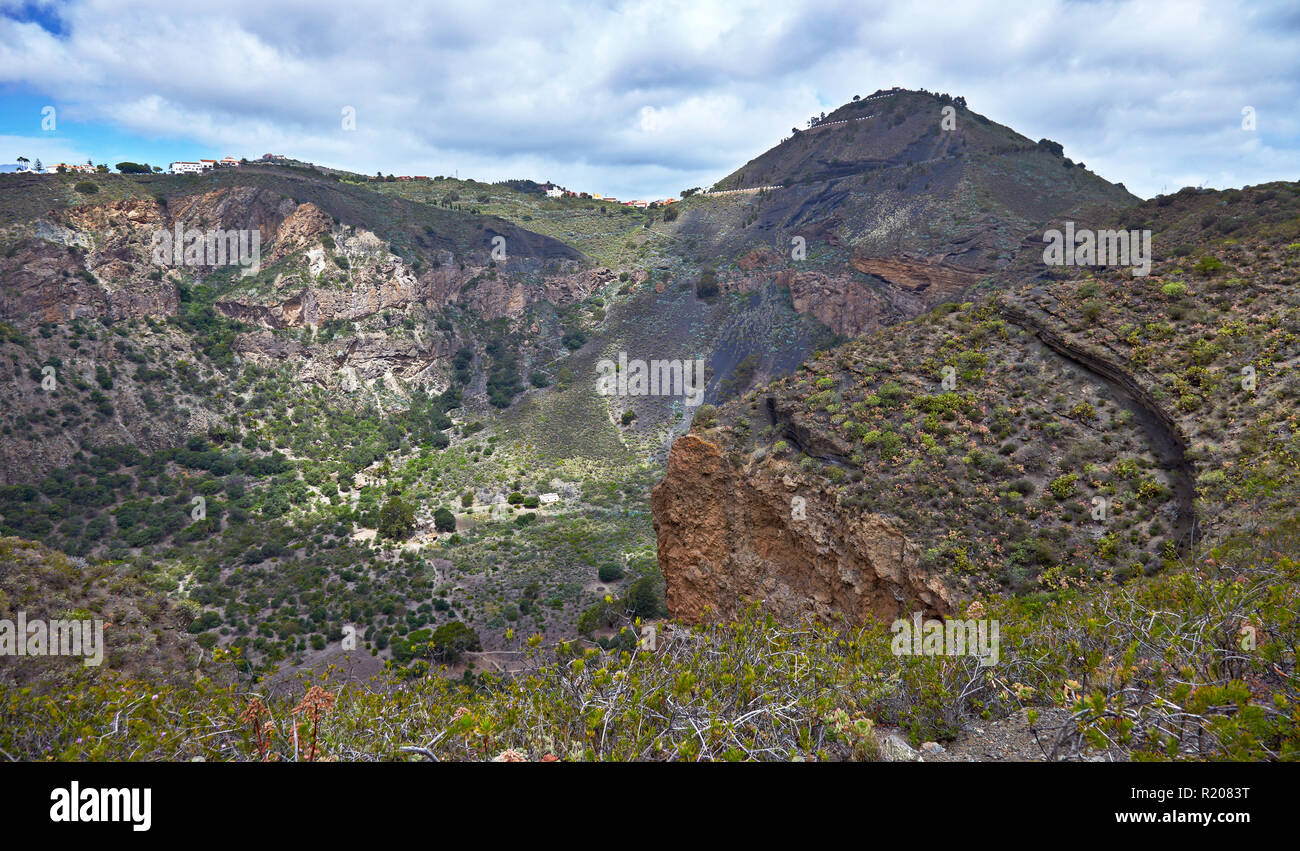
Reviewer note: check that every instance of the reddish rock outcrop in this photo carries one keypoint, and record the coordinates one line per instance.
(934, 281)
(303, 228)
(756, 259)
(728, 536)
(850, 305)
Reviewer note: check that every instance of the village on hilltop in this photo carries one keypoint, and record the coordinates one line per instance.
(25, 166)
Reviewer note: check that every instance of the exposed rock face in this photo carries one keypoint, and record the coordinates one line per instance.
(847, 303)
(509, 289)
(317, 264)
(381, 281)
(361, 358)
(933, 281)
(98, 261)
(756, 259)
(46, 282)
(839, 302)
(728, 536)
(302, 229)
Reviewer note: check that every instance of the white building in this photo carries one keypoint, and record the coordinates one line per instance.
(555, 192)
(186, 168)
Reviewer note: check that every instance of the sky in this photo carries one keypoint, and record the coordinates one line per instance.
(641, 99)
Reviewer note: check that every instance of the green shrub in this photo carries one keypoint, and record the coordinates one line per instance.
(707, 287)
(444, 520)
(396, 519)
(1063, 487)
(1208, 265)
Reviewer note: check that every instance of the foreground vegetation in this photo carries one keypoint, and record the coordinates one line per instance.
(1198, 663)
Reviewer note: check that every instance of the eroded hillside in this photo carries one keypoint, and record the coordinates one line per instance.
(1090, 429)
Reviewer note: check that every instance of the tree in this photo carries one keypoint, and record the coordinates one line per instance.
(708, 284)
(444, 520)
(643, 598)
(132, 168)
(396, 519)
(452, 639)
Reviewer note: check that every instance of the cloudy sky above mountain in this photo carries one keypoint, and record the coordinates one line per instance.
(642, 99)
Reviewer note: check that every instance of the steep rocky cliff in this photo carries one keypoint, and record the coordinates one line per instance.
(729, 536)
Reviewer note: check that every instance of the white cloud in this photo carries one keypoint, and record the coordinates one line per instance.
(49, 152)
(645, 98)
